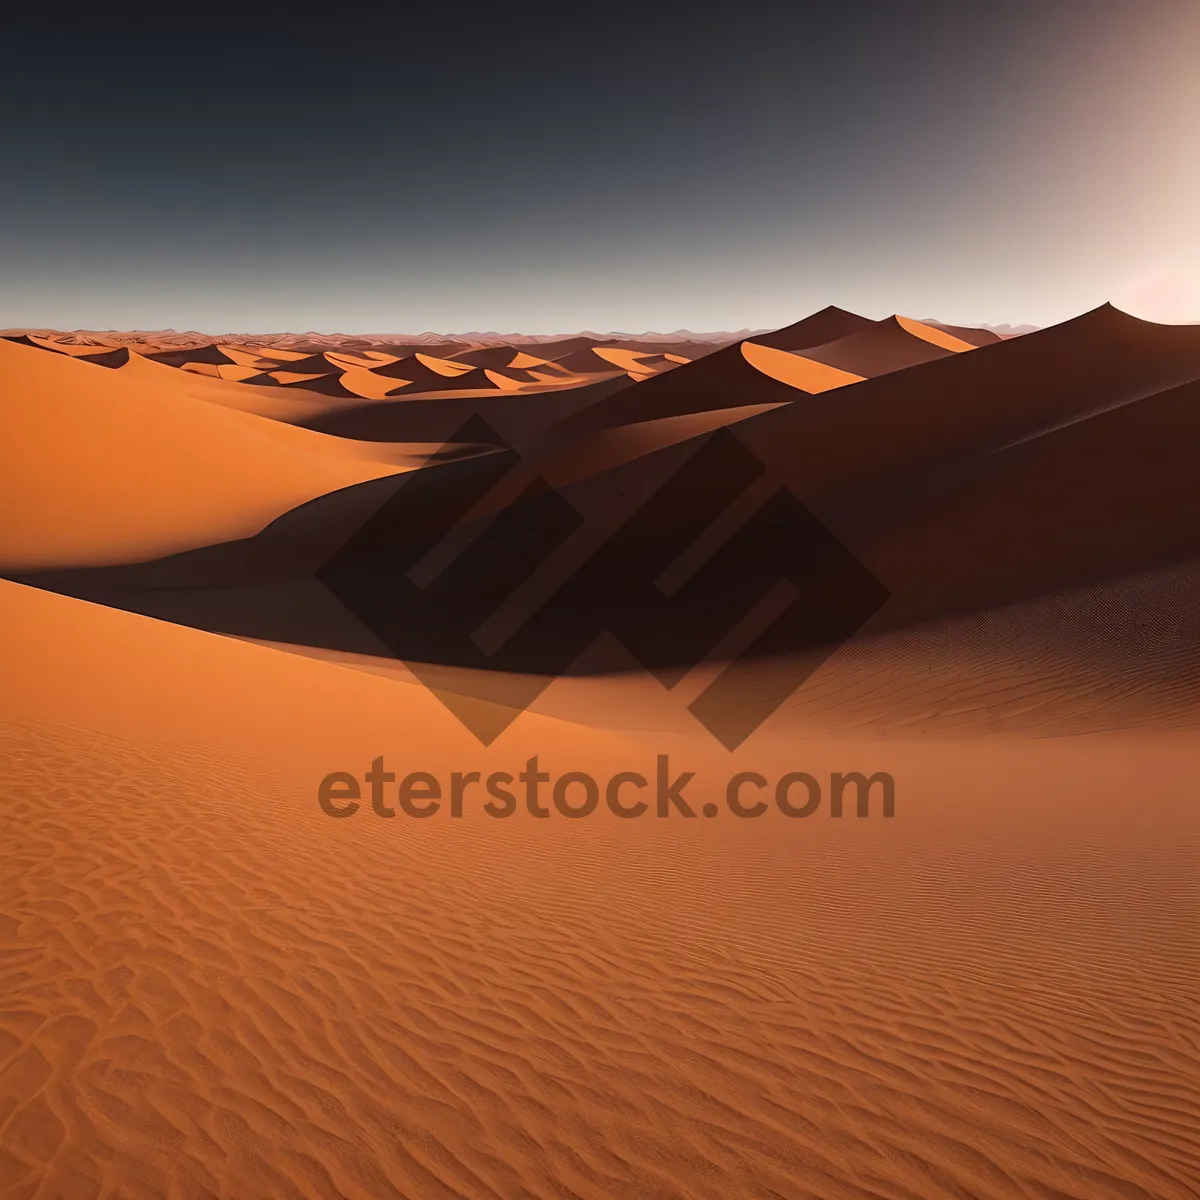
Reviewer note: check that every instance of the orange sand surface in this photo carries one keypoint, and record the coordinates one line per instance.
(804, 374)
(210, 987)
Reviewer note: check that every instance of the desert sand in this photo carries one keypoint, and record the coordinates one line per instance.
(211, 987)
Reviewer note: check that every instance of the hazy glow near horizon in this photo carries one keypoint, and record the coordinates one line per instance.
(933, 159)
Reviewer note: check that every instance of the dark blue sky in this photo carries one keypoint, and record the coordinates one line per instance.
(556, 168)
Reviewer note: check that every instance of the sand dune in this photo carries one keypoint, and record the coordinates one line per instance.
(272, 401)
(638, 362)
(240, 357)
(974, 336)
(428, 372)
(368, 358)
(965, 404)
(562, 347)
(887, 346)
(280, 354)
(828, 325)
(522, 359)
(360, 381)
(327, 384)
(593, 360)
(85, 349)
(104, 468)
(106, 358)
(602, 359)
(490, 356)
(438, 416)
(798, 371)
(312, 364)
(878, 349)
(214, 989)
(211, 353)
(717, 380)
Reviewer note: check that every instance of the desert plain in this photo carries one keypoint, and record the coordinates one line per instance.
(212, 987)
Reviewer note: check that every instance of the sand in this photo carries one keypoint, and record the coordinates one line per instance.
(212, 988)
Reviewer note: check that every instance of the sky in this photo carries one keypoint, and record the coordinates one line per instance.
(553, 168)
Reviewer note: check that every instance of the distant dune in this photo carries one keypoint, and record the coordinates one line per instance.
(964, 558)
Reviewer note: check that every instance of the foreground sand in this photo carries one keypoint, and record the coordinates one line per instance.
(213, 989)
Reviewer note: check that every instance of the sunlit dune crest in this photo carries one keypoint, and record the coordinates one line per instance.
(795, 370)
(237, 374)
(368, 384)
(287, 378)
(488, 356)
(626, 360)
(246, 358)
(504, 382)
(209, 353)
(443, 366)
(278, 354)
(67, 348)
(934, 335)
(523, 359)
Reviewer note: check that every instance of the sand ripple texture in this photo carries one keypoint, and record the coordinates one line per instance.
(198, 1001)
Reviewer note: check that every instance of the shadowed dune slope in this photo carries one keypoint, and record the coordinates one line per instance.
(1105, 496)
(829, 325)
(842, 450)
(107, 358)
(487, 356)
(196, 354)
(594, 360)
(561, 347)
(968, 333)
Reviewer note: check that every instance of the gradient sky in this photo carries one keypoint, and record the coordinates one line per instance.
(546, 169)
